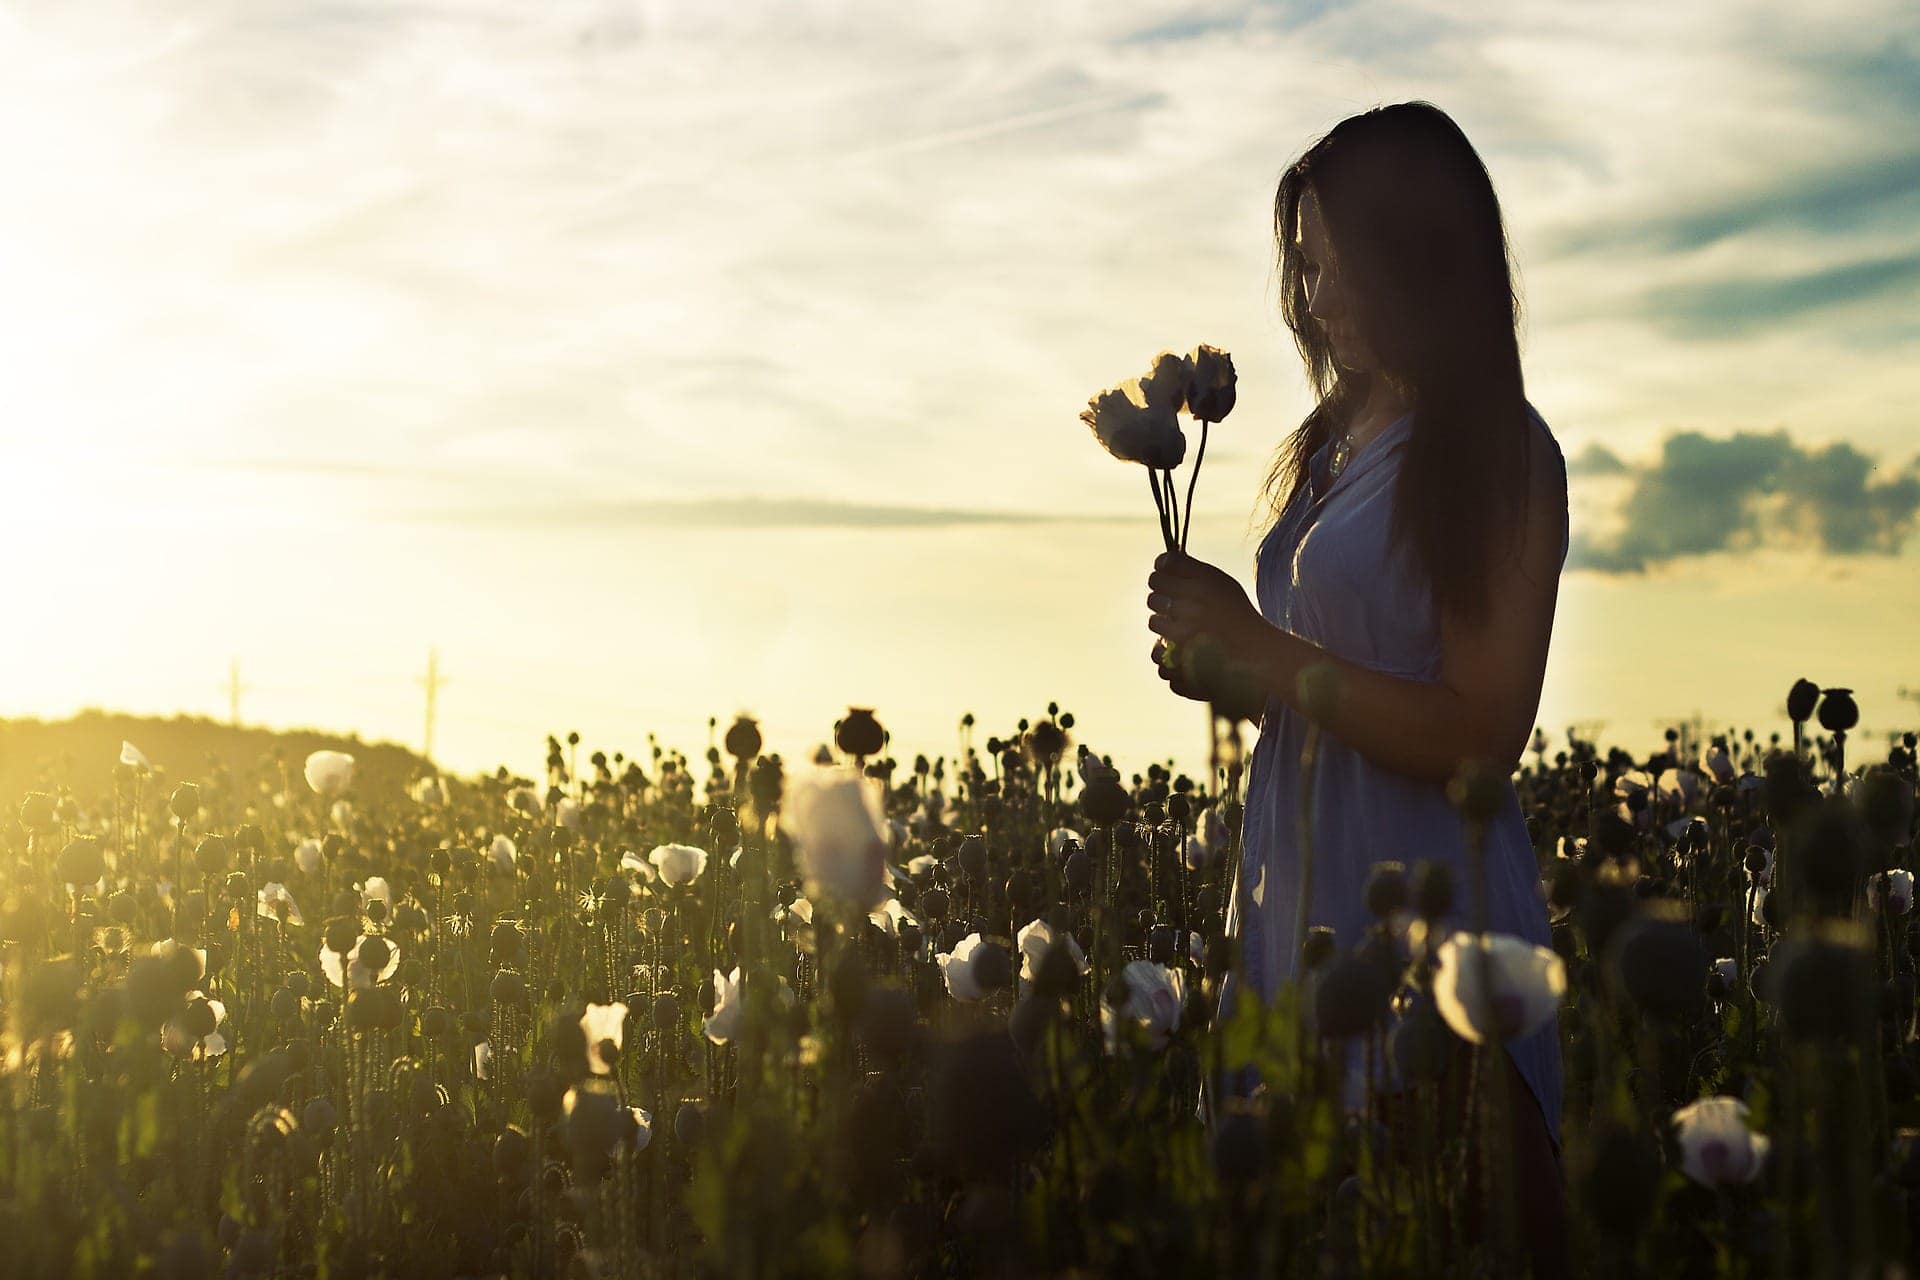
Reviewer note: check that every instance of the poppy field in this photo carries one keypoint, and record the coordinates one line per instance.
(841, 1014)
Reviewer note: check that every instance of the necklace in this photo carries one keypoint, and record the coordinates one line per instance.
(1342, 450)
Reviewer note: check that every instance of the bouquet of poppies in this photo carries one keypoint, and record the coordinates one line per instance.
(1139, 421)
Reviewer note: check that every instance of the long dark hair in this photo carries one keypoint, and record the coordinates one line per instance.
(1416, 235)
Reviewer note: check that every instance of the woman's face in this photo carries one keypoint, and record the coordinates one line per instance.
(1326, 300)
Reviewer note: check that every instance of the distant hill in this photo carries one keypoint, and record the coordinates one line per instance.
(80, 753)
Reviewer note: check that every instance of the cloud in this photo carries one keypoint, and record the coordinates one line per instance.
(1874, 191)
(1596, 460)
(1707, 495)
(1732, 307)
(750, 512)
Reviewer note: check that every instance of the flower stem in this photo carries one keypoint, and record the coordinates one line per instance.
(1160, 505)
(1193, 478)
(1173, 508)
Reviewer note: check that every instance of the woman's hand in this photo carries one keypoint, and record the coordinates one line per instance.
(1211, 645)
(1188, 599)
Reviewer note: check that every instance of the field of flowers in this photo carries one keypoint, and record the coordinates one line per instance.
(847, 1015)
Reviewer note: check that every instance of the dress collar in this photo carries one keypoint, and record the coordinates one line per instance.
(1362, 459)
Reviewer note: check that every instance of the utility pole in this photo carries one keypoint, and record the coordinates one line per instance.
(234, 690)
(432, 680)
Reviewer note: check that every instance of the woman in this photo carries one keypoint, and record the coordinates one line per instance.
(1420, 525)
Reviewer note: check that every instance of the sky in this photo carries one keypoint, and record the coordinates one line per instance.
(654, 362)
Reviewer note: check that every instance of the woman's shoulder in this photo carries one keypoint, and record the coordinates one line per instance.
(1542, 430)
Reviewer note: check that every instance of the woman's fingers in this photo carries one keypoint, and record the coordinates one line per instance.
(1164, 624)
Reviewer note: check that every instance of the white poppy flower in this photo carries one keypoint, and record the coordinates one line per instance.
(1679, 786)
(1033, 941)
(1715, 761)
(1728, 969)
(1058, 837)
(341, 814)
(890, 915)
(167, 948)
(431, 791)
(800, 909)
(483, 1060)
(181, 1043)
(1508, 997)
(132, 757)
(567, 814)
(601, 1023)
(678, 864)
(275, 903)
(329, 772)
(921, 864)
(376, 889)
(504, 852)
(1133, 430)
(525, 800)
(347, 972)
(1896, 887)
(1156, 998)
(840, 834)
(642, 1128)
(1716, 1147)
(1164, 384)
(723, 1024)
(1759, 914)
(956, 967)
(307, 856)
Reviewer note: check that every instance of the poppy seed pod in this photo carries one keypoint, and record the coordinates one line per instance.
(1659, 962)
(1432, 889)
(1801, 699)
(1478, 791)
(973, 857)
(766, 783)
(319, 1116)
(210, 855)
(1348, 997)
(1830, 853)
(1103, 801)
(860, 734)
(341, 935)
(375, 953)
(743, 738)
(185, 801)
(508, 988)
(1886, 802)
(373, 1009)
(1386, 889)
(690, 1122)
(81, 862)
(1317, 947)
(1838, 712)
(1821, 981)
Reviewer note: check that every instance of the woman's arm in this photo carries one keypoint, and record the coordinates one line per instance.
(1483, 705)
